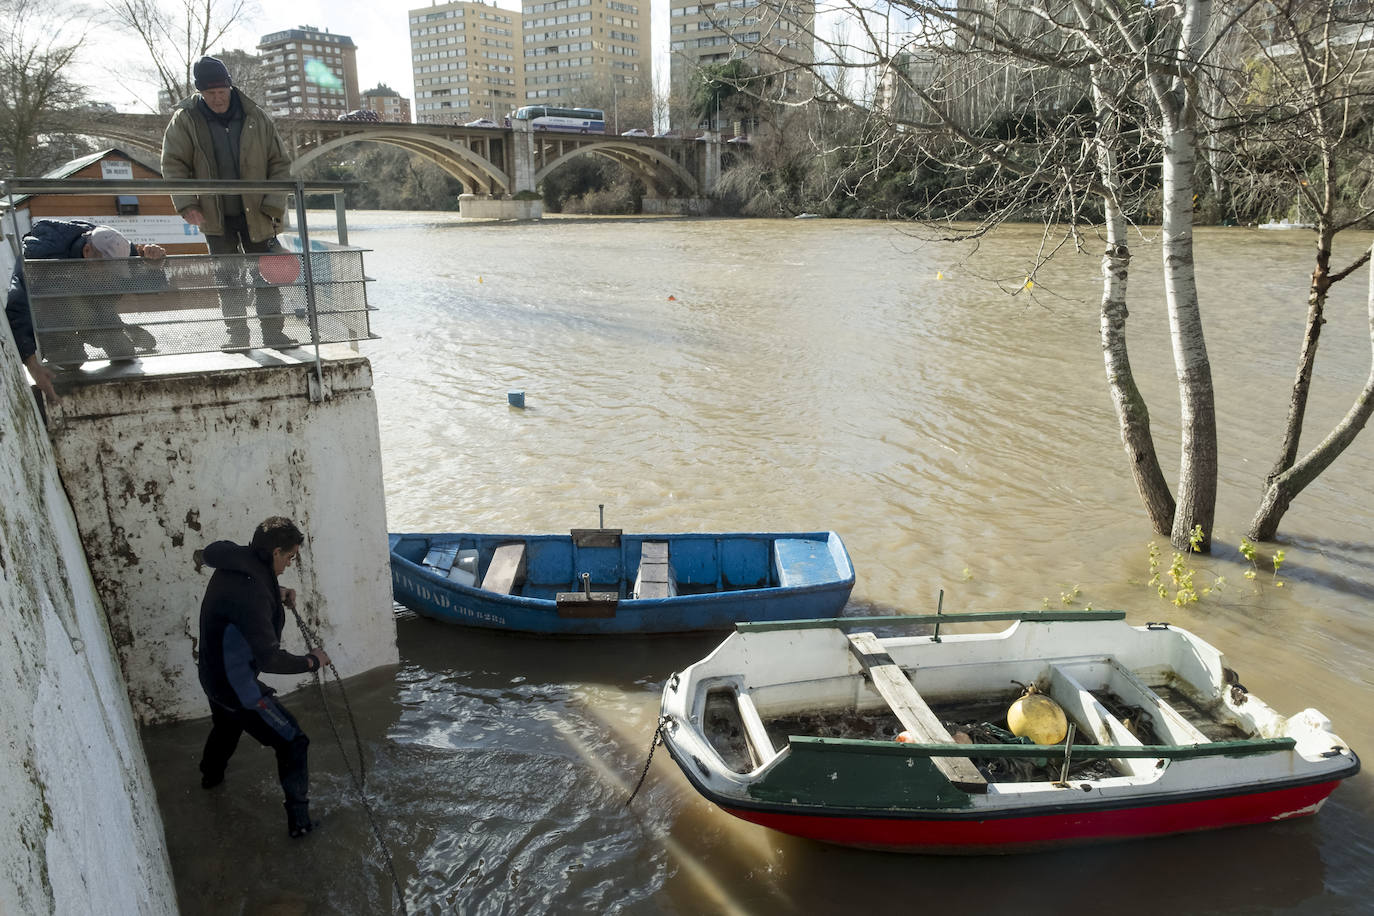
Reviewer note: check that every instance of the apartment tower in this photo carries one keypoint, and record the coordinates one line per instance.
(758, 33)
(309, 73)
(465, 57)
(586, 52)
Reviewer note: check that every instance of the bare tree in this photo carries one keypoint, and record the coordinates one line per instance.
(1302, 114)
(999, 105)
(36, 49)
(177, 33)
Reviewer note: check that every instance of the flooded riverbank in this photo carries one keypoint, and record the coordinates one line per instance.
(718, 375)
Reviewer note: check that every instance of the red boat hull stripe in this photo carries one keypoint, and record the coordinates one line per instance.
(1007, 834)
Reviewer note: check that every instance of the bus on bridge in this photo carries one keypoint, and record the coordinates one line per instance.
(578, 120)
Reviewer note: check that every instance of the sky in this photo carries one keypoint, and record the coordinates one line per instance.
(380, 29)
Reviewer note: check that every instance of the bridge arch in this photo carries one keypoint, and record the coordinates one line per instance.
(656, 168)
(472, 155)
(454, 158)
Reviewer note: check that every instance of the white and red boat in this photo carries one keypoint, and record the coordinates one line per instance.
(900, 743)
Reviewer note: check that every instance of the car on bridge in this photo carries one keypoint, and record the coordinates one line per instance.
(482, 122)
(361, 114)
(634, 132)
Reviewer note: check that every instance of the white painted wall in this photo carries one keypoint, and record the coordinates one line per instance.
(82, 832)
(162, 460)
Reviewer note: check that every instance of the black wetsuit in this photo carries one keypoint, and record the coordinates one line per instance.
(241, 620)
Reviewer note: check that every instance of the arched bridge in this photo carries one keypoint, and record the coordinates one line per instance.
(495, 161)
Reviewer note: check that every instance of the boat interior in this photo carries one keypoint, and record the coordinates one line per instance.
(1107, 703)
(609, 565)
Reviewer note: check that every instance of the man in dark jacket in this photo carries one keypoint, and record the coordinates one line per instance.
(219, 134)
(241, 620)
(61, 238)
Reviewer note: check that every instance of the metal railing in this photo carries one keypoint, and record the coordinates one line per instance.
(306, 293)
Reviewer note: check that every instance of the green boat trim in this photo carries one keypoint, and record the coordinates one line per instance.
(1242, 748)
(942, 619)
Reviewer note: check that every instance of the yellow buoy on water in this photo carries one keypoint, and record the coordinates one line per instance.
(1037, 717)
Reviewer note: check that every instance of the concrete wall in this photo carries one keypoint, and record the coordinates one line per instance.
(81, 831)
(470, 206)
(166, 457)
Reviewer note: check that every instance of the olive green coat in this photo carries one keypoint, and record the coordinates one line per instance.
(189, 152)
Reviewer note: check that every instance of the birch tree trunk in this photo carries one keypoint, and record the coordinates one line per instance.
(1133, 417)
(1197, 474)
(1307, 357)
(1287, 485)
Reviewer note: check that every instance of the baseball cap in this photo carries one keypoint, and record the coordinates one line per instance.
(109, 243)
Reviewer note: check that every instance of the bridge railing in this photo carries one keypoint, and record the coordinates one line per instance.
(308, 293)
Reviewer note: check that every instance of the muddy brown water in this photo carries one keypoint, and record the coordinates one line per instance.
(736, 375)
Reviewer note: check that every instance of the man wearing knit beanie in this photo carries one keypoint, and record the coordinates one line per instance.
(219, 134)
(210, 73)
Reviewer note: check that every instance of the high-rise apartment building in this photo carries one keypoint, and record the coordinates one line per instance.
(705, 33)
(309, 73)
(585, 52)
(465, 57)
(389, 104)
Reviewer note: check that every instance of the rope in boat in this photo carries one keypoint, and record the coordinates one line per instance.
(359, 779)
(658, 739)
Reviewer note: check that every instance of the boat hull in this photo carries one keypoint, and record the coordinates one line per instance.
(991, 835)
(431, 595)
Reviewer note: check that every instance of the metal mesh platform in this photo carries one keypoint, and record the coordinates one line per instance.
(131, 307)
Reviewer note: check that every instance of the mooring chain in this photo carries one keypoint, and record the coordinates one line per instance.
(653, 745)
(358, 779)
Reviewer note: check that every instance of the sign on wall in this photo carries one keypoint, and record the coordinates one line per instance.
(116, 168)
(141, 230)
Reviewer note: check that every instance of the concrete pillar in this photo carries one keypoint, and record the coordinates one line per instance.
(710, 163)
(165, 457)
(82, 828)
(522, 156)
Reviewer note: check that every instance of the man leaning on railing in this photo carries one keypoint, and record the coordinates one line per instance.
(56, 238)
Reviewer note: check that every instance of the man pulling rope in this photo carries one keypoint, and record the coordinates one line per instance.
(241, 620)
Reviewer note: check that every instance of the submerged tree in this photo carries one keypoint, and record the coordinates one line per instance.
(1301, 116)
(1027, 103)
(1089, 115)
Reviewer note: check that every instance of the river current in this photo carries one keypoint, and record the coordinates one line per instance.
(949, 419)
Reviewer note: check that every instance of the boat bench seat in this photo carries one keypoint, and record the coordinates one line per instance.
(506, 569)
(912, 711)
(655, 578)
(802, 562)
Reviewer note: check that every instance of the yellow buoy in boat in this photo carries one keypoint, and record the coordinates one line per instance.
(1037, 717)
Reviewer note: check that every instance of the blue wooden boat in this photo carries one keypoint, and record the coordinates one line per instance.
(600, 581)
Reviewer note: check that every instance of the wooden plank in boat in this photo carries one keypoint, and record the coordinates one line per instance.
(654, 580)
(441, 558)
(912, 711)
(506, 568)
(802, 562)
(587, 605)
(596, 537)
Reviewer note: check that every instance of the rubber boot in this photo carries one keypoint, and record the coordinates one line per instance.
(298, 820)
